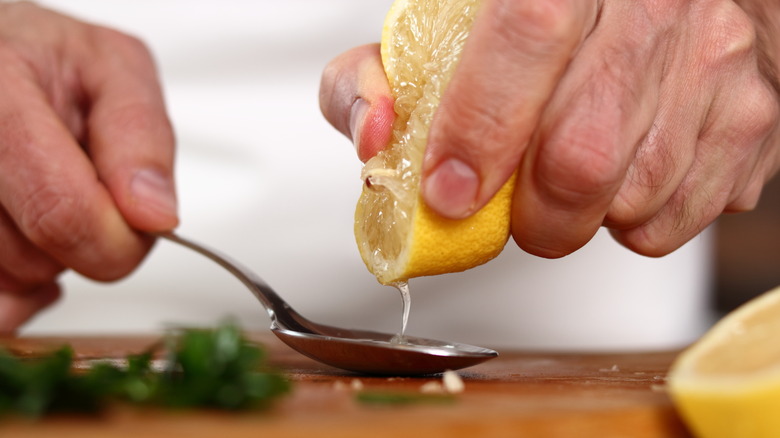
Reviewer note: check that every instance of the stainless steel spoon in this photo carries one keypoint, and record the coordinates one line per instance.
(353, 350)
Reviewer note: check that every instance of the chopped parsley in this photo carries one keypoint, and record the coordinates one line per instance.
(402, 398)
(217, 368)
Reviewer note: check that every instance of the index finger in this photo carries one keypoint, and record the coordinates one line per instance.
(50, 189)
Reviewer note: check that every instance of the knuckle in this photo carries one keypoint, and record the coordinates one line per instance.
(746, 199)
(686, 214)
(747, 124)
(52, 220)
(114, 41)
(648, 181)
(15, 65)
(633, 205)
(731, 38)
(582, 169)
(649, 240)
(121, 50)
(136, 118)
(761, 111)
(626, 209)
(742, 204)
(472, 128)
(553, 21)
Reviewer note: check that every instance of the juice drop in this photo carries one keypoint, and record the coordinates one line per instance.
(403, 288)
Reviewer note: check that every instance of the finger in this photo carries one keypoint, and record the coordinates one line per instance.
(731, 149)
(29, 265)
(355, 98)
(688, 212)
(747, 197)
(16, 308)
(666, 153)
(587, 138)
(662, 160)
(725, 55)
(760, 117)
(729, 169)
(511, 63)
(129, 136)
(50, 189)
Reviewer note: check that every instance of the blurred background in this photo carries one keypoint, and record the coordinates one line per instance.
(747, 256)
(262, 177)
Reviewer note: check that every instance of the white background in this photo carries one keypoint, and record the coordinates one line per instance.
(265, 179)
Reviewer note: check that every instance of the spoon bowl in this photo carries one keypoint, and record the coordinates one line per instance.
(361, 351)
(377, 353)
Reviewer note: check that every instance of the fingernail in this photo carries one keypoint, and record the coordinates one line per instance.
(357, 116)
(155, 191)
(451, 189)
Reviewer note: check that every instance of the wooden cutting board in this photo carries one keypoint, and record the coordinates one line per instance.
(520, 394)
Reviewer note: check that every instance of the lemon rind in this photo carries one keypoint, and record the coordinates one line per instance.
(491, 236)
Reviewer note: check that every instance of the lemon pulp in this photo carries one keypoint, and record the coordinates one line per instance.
(398, 236)
(727, 385)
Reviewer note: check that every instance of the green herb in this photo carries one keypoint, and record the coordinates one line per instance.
(215, 368)
(34, 387)
(402, 398)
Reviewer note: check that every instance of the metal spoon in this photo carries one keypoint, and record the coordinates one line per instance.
(353, 350)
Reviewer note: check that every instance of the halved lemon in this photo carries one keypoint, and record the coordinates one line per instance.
(398, 236)
(727, 385)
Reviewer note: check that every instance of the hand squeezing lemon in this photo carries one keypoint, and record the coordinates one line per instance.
(725, 386)
(398, 236)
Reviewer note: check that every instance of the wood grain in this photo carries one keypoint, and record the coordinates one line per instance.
(518, 394)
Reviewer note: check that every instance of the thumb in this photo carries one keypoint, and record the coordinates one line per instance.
(130, 138)
(510, 66)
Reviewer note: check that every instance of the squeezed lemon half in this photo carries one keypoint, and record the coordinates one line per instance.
(398, 236)
(727, 385)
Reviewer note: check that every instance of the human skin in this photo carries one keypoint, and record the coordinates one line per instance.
(86, 156)
(650, 117)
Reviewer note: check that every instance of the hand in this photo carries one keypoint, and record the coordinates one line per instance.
(86, 155)
(650, 118)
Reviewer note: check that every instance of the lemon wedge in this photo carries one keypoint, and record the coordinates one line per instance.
(398, 236)
(727, 385)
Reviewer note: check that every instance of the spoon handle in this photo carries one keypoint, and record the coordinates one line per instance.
(261, 290)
